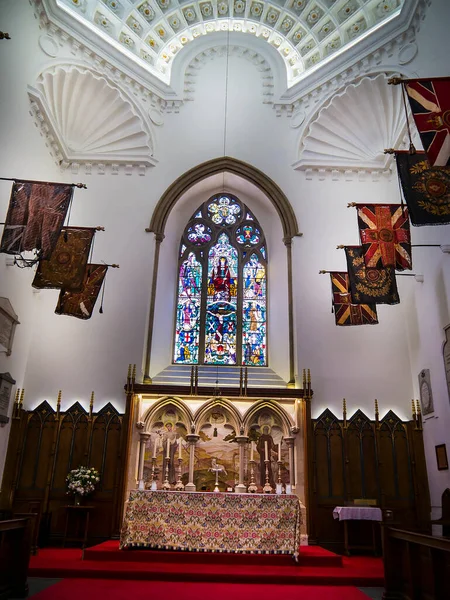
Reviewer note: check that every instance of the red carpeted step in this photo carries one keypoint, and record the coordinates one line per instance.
(71, 589)
(66, 563)
(309, 556)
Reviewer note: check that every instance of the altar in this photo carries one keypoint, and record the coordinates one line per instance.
(212, 522)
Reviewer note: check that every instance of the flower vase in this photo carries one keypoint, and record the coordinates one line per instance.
(77, 499)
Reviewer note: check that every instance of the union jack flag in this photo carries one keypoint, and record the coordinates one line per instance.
(345, 312)
(385, 235)
(430, 105)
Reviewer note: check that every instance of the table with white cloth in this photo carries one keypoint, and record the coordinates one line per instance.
(212, 522)
(358, 513)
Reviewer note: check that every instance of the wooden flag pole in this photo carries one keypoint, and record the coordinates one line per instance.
(323, 272)
(78, 185)
(398, 80)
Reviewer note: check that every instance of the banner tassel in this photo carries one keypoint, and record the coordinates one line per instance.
(103, 294)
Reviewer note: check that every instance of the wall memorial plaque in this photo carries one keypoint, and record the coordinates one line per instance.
(446, 353)
(426, 397)
(8, 322)
(6, 383)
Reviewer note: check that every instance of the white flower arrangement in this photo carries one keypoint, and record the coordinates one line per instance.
(82, 480)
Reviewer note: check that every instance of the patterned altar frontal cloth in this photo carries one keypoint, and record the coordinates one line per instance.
(212, 522)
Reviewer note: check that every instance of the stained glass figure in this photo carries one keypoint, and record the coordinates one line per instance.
(188, 311)
(199, 234)
(248, 235)
(222, 259)
(223, 211)
(221, 317)
(254, 316)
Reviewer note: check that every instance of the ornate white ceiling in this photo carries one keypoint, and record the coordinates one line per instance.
(306, 33)
(88, 121)
(350, 132)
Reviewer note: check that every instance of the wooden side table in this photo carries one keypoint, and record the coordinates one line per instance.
(79, 516)
(358, 513)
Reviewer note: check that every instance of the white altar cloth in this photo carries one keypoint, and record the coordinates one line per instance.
(357, 513)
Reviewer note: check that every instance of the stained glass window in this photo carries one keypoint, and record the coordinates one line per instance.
(222, 287)
(187, 334)
(254, 313)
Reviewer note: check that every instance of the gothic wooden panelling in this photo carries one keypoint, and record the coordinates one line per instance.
(36, 448)
(105, 446)
(361, 458)
(53, 443)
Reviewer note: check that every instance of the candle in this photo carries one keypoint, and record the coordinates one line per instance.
(296, 412)
(155, 447)
(168, 449)
(266, 451)
(251, 450)
(180, 447)
(279, 451)
(294, 480)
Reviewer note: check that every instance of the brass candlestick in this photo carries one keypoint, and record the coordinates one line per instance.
(166, 484)
(279, 487)
(252, 488)
(179, 487)
(267, 489)
(154, 485)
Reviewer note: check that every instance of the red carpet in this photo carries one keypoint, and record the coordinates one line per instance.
(310, 556)
(88, 589)
(316, 567)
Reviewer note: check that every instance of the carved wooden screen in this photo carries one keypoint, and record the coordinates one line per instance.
(362, 466)
(363, 458)
(45, 445)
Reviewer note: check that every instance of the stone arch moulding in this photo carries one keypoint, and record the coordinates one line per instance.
(168, 401)
(242, 52)
(66, 102)
(222, 402)
(229, 165)
(179, 187)
(272, 406)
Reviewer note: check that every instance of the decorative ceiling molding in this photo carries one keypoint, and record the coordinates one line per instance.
(349, 133)
(376, 53)
(150, 33)
(376, 62)
(89, 121)
(261, 64)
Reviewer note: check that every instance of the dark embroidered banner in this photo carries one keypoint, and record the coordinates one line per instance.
(368, 285)
(66, 266)
(35, 216)
(426, 190)
(81, 304)
(345, 312)
(430, 105)
(385, 235)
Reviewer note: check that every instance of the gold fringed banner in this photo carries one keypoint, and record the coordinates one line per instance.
(81, 304)
(35, 217)
(66, 266)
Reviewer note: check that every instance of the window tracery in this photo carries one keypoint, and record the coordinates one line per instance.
(221, 316)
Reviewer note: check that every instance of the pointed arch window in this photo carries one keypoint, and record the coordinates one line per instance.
(221, 316)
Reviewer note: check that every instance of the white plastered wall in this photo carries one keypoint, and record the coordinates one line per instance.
(54, 352)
